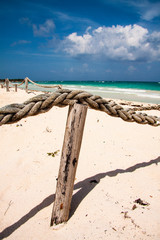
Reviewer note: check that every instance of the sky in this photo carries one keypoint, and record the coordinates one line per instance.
(112, 40)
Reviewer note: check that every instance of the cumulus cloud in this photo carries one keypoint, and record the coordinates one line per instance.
(44, 29)
(131, 42)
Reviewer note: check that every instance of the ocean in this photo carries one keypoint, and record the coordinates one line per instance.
(148, 92)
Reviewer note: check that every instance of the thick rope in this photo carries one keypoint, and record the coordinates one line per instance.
(61, 98)
(29, 80)
(145, 108)
(18, 84)
(44, 86)
(13, 84)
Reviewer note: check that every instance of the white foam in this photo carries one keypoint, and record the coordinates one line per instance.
(127, 90)
(149, 95)
(117, 93)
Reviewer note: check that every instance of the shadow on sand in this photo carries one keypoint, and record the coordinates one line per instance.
(85, 187)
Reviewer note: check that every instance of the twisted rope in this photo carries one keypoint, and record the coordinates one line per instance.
(13, 84)
(61, 98)
(29, 80)
(19, 83)
(44, 86)
(145, 108)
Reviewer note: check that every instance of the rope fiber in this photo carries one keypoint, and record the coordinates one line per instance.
(44, 86)
(63, 97)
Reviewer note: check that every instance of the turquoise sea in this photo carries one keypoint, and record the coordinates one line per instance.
(148, 92)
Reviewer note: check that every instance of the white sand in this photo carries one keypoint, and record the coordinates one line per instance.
(122, 157)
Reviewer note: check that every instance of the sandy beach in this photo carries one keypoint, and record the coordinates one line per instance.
(117, 186)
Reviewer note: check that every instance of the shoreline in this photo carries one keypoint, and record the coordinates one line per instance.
(145, 98)
(136, 95)
(31, 93)
(129, 91)
(119, 163)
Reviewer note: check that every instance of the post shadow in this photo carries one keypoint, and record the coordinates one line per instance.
(9, 230)
(90, 183)
(85, 187)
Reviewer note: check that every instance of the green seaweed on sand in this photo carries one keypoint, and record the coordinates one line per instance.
(53, 154)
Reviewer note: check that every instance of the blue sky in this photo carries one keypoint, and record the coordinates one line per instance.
(80, 40)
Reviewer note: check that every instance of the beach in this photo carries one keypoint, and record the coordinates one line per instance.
(146, 92)
(117, 185)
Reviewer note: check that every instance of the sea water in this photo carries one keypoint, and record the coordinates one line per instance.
(148, 92)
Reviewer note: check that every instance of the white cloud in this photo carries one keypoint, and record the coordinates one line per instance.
(41, 30)
(63, 17)
(20, 42)
(151, 13)
(44, 29)
(131, 42)
(148, 9)
(80, 43)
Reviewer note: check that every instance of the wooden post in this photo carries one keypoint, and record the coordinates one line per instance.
(26, 84)
(7, 84)
(68, 165)
(1, 85)
(15, 87)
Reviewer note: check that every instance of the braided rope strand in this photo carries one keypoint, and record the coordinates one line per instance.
(13, 84)
(63, 97)
(44, 86)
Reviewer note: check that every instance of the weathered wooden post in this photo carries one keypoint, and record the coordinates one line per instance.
(26, 84)
(68, 165)
(1, 85)
(7, 84)
(15, 87)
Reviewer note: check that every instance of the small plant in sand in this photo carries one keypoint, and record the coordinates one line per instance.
(53, 154)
